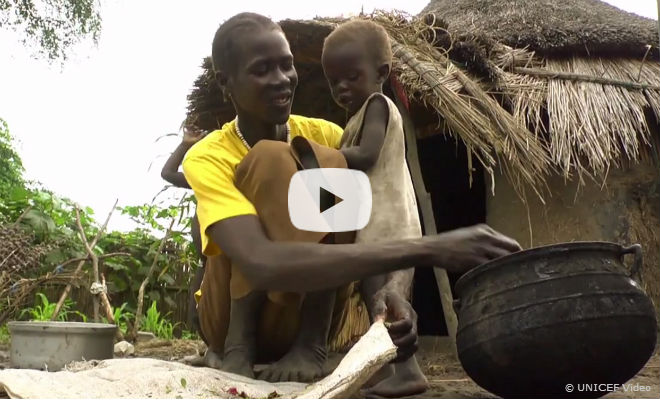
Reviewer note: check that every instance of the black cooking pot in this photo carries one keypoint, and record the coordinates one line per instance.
(534, 322)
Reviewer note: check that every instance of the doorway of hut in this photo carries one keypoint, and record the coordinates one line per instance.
(456, 204)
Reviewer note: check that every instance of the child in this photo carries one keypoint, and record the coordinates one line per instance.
(357, 59)
(171, 174)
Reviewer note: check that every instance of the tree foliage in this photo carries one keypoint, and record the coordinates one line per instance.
(52, 26)
(51, 219)
(11, 166)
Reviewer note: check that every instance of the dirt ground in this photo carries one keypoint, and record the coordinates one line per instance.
(448, 380)
(444, 372)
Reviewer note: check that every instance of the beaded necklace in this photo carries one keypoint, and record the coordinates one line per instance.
(240, 134)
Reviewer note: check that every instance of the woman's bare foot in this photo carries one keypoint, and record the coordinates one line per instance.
(211, 359)
(238, 360)
(300, 364)
(407, 380)
(304, 361)
(240, 343)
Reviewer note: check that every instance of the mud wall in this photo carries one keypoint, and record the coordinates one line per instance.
(625, 210)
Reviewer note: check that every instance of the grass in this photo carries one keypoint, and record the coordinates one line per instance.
(5, 337)
(189, 335)
(157, 324)
(153, 321)
(122, 317)
(43, 310)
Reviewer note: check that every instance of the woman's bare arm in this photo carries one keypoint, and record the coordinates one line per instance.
(302, 267)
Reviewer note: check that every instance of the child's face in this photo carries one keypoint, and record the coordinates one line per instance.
(352, 76)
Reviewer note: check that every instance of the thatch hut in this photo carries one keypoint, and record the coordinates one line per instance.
(539, 118)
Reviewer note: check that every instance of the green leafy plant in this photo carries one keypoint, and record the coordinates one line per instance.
(5, 337)
(11, 165)
(189, 335)
(43, 310)
(49, 220)
(157, 324)
(121, 316)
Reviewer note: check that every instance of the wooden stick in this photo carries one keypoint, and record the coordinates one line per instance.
(100, 296)
(368, 355)
(68, 287)
(106, 302)
(108, 311)
(138, 313)
(641, 66)
(102, 256)
(428, 219)
(95, 263)
(7, 258)
(22, 215)
(544, 73)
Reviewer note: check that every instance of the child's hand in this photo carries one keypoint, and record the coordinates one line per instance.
(399, 318)
(192, 135)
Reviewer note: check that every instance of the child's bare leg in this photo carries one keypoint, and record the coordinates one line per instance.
(406, 379)
(304, 361)
(241, 342)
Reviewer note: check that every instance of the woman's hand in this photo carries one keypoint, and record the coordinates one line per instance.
(465, 248)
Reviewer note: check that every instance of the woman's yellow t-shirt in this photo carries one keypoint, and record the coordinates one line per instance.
(209, 168)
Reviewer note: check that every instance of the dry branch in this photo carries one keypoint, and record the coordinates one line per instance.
(140, 301)
(7, 258)
(23, 214)
(100, 295)
(68, 287)
(102, 256)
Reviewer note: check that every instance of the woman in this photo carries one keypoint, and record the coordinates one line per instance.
(244, 160)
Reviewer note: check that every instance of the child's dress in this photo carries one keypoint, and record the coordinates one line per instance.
(394, 208)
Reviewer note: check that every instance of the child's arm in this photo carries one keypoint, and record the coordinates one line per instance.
(170, 171)
(365, 154)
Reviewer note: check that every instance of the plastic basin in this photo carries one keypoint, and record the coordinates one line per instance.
(51, 345)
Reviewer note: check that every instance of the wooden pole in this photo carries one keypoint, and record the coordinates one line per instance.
(98, 287)
(132, 336)
(67, 289)
(426, 207)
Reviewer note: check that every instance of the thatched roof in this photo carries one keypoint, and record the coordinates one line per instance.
(491, 97)
(551, 27)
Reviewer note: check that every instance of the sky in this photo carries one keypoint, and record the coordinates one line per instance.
(87, 130)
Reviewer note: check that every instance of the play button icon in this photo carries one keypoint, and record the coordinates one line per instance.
(329, 200)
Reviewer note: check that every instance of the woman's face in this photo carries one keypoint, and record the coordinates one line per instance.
(264, 79)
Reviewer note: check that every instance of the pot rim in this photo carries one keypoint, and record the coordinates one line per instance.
(534, 251)
(59, 326)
